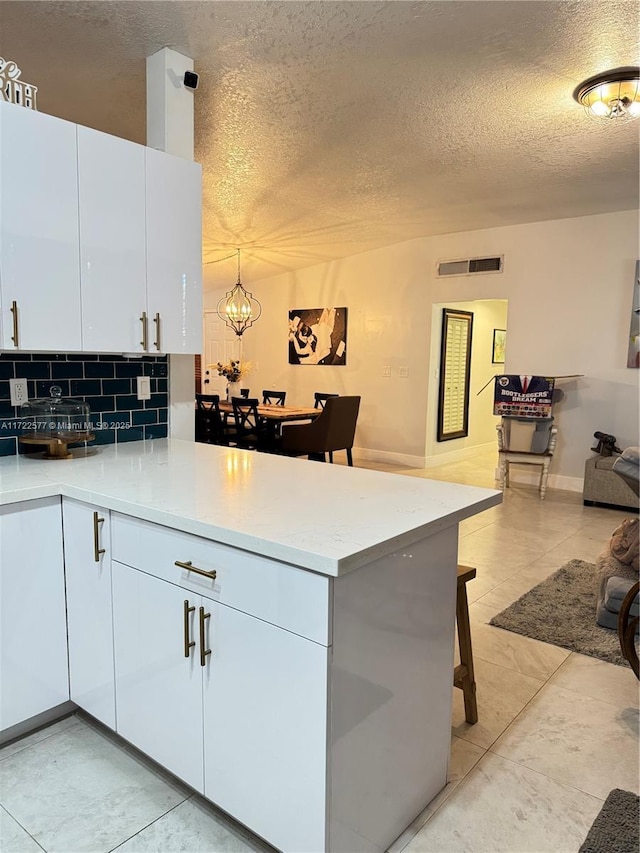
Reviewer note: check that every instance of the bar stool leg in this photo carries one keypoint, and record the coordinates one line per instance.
(464, 675)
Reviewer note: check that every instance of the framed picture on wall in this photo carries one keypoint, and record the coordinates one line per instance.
(499, 345)
(318, 336)
(455, 367)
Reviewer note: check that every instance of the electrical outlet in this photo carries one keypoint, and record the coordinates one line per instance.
(19, 392)
(144, 388)
(403, 372)
(386, 371)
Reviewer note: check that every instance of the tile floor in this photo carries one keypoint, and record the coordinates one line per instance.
(557, 731)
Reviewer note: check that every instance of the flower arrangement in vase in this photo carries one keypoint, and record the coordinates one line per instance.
(233, 371)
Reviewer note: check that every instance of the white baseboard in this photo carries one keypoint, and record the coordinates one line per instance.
(388, 457)
(461, 453)
(532, 478)
(517, 474)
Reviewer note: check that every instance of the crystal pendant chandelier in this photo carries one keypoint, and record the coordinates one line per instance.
(613, 95)
(238, 308)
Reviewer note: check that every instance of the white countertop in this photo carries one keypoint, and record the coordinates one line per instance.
(327, 518)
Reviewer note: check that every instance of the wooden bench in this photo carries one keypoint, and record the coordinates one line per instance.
(463, 676)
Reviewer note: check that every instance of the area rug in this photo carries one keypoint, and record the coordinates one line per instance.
(615, 829)
(562, 611)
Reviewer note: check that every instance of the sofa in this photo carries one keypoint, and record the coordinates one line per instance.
(603, 485)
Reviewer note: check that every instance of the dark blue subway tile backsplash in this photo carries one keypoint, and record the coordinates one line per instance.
(106, 369)
(107, 383)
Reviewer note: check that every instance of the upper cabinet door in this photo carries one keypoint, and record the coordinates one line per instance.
(174, 253)
(112, 242)
(39, 243)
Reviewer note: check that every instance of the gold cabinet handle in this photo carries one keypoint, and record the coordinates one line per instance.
(191, 568)
(144, 343)
(188, 642)
(156, 320)
(203, 650)
(14, 311)
(97, 550)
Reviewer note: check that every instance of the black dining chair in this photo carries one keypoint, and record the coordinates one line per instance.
(273, 398)
(320, 399)
(250, 429)
(244, 392)
(209, 427)
(333, 429)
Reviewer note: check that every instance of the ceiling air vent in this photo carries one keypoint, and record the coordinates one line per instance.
(471, 266)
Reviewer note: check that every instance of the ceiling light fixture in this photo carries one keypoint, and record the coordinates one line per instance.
(613, 94)
(238, 308)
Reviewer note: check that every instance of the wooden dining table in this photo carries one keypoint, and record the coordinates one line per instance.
(278, 414)
(274, 415)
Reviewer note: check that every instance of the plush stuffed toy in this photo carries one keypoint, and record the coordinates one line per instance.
(624, 543)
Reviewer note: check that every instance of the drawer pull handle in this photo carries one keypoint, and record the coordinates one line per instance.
(203, 650)
(144, 343)
(14, 311)
(188, 642)
(156, 320)
(97, 550)
(191, 568)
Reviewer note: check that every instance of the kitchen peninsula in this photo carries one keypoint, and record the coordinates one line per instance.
(277, 633)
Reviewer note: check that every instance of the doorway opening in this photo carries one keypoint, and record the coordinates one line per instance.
(451, 366)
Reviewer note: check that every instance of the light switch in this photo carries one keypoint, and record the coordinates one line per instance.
(386, 371)
(144, 387)
(403, 372)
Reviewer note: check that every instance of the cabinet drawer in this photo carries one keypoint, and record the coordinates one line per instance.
(291, 598)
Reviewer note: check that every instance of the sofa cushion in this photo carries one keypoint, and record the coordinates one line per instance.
(608, 568)
(615, 592)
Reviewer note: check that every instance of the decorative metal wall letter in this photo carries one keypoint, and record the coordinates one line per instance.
(455, 368)
(14, 90)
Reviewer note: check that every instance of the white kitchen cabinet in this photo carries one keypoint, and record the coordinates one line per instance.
(275, 592)
(111, 180)
(174, 253)
(33, 633)
(219, 695)
(87, 556)
(265, 728)
(158, 688)
(334, 641)
(100, 241)
(39, 237)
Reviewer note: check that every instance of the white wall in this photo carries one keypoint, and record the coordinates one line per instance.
(569, 284)
(488, 315)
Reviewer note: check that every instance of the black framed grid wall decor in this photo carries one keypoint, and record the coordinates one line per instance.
(455, 370)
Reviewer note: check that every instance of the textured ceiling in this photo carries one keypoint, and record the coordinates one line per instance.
(329, 128)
